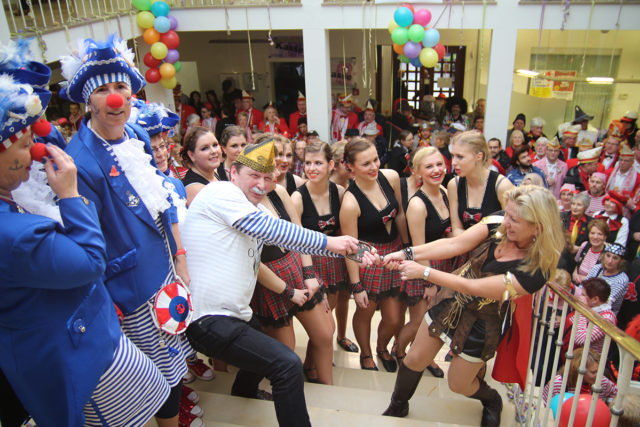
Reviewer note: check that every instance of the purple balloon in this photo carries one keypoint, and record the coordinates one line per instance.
(172, 56)
(412, 50)
(173, 21)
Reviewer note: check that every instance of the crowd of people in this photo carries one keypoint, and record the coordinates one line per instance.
(257, 221)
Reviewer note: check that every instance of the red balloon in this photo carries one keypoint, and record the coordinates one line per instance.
(439, 48)
(601, 417)
(410, 6)
(150, 61)
(38, 151)
(171, 39)
(115, 101)
(153, 75)
(41, 127)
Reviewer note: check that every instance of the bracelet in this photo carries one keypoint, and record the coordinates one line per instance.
(357, 287)
(509, 291)
(308, 273)
(408, 253)
(289, 291)
(425, 274)
(180, 252)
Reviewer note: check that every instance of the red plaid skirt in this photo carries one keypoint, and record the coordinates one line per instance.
(411, 291)
(275, 309)
(331, 271)
(378, 281)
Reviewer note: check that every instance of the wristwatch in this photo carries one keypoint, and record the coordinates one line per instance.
(426, 273)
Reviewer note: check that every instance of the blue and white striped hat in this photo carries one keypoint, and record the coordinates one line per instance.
(152, 117)
(96, 64)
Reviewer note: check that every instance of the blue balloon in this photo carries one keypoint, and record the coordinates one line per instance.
(403, 16)
(162, 24)
(430, 39)
(160, 8)
(554, 402)
(416, 62)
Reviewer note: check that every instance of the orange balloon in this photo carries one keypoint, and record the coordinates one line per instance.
(398, 48)
(151, 36)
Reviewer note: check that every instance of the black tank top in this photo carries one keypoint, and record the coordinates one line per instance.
(291, 183)
(490, 203)
(404, 193)
(327, 224)
(222, 173)
(435, 227)
(192, 178)
(269, 252)
(371, 223)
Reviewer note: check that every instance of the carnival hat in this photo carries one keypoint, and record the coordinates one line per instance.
(618, 199)
(246, 95)
(17, 61)
(20, 106)
(259, 157)
(570, 188)
(369, 107)
(371, 129)
(301, 96)
(615, 248)
(629, 116)
(626, 151)
(600, 175)
(616, 129)
(554, 143)
(589, 156)
(571, 130)
(96, 64)
(522, 117)
(345, 99)
(580, 116)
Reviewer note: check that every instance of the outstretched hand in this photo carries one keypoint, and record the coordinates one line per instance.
(350, 246)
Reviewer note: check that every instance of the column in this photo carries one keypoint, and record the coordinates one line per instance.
(500, 81)
(317, 80)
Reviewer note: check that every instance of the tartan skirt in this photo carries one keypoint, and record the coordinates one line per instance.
(378, 281)
(331, 271)
(276, 310)
(411, 291)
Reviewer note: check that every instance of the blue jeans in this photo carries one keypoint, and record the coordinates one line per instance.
(242, 344)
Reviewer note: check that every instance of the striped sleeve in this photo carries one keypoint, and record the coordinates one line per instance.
(278, 232)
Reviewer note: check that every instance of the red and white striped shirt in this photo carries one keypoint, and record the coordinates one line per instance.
(597, 334)
(609, 389)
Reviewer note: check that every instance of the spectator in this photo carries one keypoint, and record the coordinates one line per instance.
(498, 154)
(521, 165)
(575, 221)
(594, 293)
(611, 270)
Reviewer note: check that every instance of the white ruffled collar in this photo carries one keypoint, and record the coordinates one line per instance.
(35, 195)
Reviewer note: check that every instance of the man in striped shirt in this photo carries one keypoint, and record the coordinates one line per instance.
(224, 233)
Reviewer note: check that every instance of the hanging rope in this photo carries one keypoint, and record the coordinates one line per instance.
(226, 17)
(544, 5)
(481, 45)
(462, 26)
(586, 37)
(253, 80)
(344, 67)
(364, 45)
(269, 39)
(615, 40)
(565, 13)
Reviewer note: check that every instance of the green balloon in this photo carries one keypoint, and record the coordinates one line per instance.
(416, 33)
(404, 59)
(142, 4)
(400, 35)
(178, 66)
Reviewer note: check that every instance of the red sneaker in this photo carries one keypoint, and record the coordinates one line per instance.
(190, 394)
(185, 419)
(200, 370)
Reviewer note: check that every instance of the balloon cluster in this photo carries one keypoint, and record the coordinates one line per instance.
(412, 41)
(159, 32)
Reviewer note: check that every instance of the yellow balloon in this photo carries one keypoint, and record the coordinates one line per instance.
(169, 83)
(392, 26)
(428, 57)
(167, 70)
(159, 50)
(145, 19)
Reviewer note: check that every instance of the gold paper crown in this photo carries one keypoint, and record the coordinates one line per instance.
(369, 107)
(259, 157)
(301, 95)
(626, 151)
(554, 143)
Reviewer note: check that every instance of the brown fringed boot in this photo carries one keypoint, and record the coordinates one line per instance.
(491, 404)
(406, 384)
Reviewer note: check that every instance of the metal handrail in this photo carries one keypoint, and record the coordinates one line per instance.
(625, 341)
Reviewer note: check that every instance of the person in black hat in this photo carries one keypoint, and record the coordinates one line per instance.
(518, 123)
(581, 118)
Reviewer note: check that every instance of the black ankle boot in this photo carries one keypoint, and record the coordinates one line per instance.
(491, 404)
(406, 384)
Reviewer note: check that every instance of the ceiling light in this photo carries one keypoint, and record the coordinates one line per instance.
(600, 80)
(527, 73)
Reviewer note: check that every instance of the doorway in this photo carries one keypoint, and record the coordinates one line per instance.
(288, 79)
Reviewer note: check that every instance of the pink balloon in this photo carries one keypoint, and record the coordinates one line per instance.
(422, 17)
(174, 22)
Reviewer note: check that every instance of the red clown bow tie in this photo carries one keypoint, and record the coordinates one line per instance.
(392, 214)
(466, 217)
(324, 224)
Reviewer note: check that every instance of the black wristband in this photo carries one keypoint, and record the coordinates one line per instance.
(308, 273)
(408, 253)
(289, 291)
(357, 287)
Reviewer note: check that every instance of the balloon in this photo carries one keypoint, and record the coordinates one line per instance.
(174, 22)
(177, 66)
(554, 402)
(151, 36)
(159, 50)
(142, 4)
(162, 24)
(403, 58)
(412, 50)
(167, 71)
(428, 57)
(392, 26)
(403, 16)
(150, 61)
(172, 56)
(416, 33)
(171, 39)
(145, 19)
(400, 35)
(169, 83)
(601, 417)
(431, 37)
(415, 62)
(160, 8)
(152, 75)
(398, 48)
(410, 7)
(422, 17)
(440, 50)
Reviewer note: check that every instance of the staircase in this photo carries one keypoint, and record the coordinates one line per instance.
(357, 397)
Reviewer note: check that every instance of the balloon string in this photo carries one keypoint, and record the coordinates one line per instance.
(481, 46)
(364, 45)
(586, 38)
(565, 13)
(615, 38)
(544, 5)
(462, 26)
(253, 81)
(226, 18)
(344, 67)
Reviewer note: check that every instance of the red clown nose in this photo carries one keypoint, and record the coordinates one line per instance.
(115, 101)
(38, 152)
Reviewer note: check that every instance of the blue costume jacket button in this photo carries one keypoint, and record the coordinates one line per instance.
(78, 325)
(116, 268)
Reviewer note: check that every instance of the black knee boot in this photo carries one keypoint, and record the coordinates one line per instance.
(406, 384)
(491, 404)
